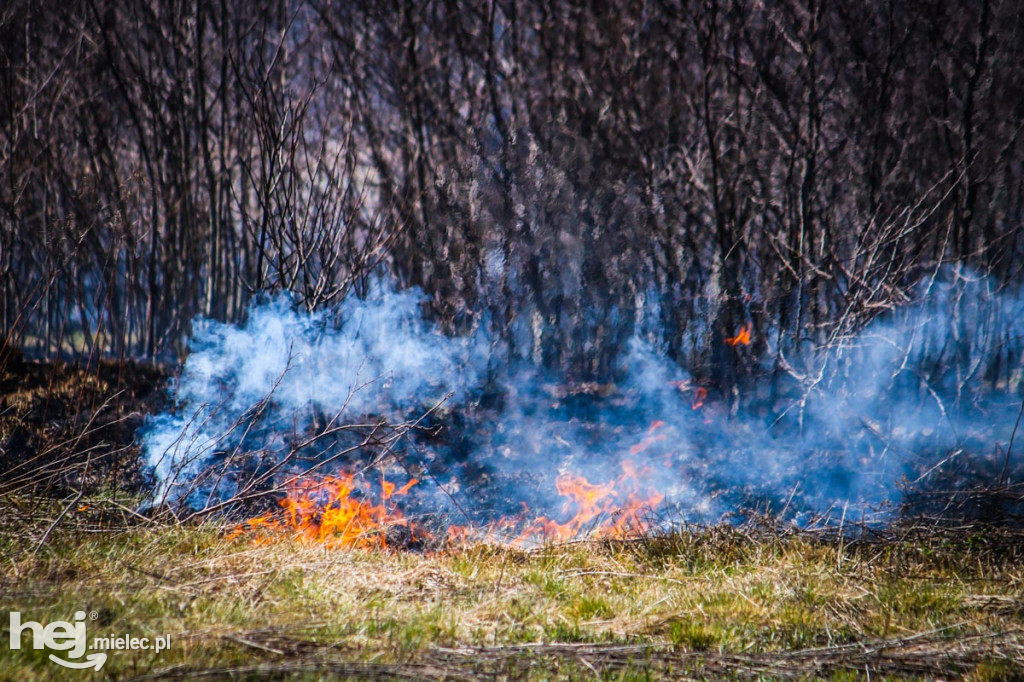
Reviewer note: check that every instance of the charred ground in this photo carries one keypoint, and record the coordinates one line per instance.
(65, 428)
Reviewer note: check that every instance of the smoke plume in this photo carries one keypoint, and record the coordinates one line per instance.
(918, 397)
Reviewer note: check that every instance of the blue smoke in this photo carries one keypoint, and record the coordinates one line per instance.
(845, 426)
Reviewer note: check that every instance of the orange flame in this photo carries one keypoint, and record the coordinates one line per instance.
(324, 511)
(339, 511)
(743, 337)
(608, 510)
(650, 439)
(699, 396)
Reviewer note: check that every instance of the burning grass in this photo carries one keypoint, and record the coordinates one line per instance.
(914, 603)
(328, 511)
(346, 511)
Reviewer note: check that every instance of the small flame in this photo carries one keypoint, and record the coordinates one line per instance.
(743, 337)
(325, 511)
(699, 396)
(650, 439)
(607, 510)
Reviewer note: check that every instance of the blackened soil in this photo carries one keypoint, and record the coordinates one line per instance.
(65, 428)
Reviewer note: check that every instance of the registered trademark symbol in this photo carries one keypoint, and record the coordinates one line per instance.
(93, 615)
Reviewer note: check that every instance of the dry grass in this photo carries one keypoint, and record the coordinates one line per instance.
(706, 604)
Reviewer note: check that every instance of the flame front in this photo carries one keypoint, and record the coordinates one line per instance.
(614, 509)
(330, 511)
(340, 511)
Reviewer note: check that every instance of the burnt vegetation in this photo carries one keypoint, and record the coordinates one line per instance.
(562, 177)
(680, 337)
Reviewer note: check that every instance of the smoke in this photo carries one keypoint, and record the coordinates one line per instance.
(924, 395)
(284, 374)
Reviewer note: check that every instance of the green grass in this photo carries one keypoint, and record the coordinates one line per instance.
(643, 609)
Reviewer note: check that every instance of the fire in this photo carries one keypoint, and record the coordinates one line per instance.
(742, 338)
(496, 532)
(325, 511)
(608, 510)
(699, 396)
(650, 439)
(344, 511)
